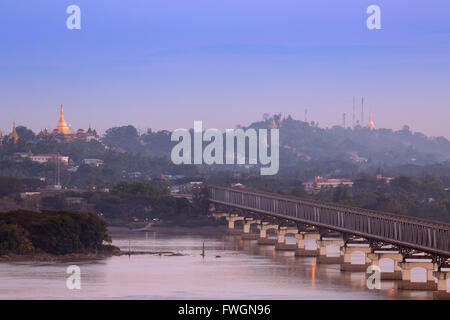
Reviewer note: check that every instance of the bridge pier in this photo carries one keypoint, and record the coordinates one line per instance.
(281, 241)
(263, 238)
(232, 218)
(302, 239)
(248, 235)
(443, 285)
(411, 233)
(389, 264)
(427, 281)
(325, 246)
(356, 257)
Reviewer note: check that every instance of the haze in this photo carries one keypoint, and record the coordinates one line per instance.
(164, 64)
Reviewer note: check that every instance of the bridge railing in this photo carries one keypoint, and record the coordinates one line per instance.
(428, 236)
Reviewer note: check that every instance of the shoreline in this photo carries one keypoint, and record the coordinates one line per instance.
(102, 254)
(170, 229)
(48, 257)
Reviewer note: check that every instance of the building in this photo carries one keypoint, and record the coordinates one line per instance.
(93, 162)
(49, 158)
(320, 183)
(20, 156)
(61, 127)
(237, 185)
(88, 135)
(25, 195)
(134, 175)
(355, 158)
(13, 136)
(371, 125)
(196, 185)
(63, 130)
(41, 158)
(386, 179)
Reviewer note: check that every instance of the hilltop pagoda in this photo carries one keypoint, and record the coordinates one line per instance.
(371, 125)
(62, 127)
(13, 136)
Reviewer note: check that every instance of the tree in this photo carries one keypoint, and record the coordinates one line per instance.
(25, 135)
(122, 137)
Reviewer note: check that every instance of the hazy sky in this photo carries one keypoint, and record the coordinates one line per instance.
(163, 64)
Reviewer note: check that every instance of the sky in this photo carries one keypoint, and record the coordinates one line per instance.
(163, 64)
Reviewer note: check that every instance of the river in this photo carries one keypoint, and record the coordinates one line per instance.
(231, 269)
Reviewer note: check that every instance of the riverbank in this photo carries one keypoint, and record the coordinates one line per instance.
(110, 251)
(46, 257)
(107, 252)
(167, 229)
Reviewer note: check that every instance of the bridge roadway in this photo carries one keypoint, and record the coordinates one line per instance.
(404, 232)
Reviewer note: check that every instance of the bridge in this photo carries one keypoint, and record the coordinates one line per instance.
(375, 237)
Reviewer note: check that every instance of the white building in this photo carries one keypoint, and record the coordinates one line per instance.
(322, 183)
(46, 158)
(93, 162)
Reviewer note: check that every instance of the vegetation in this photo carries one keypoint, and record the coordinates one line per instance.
(135, 164)
(11, 186)
(53, 232)
(423, 198)
(144, 201)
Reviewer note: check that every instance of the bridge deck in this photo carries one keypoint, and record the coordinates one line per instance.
(425, 235)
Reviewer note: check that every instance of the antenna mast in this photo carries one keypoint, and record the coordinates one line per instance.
(362, 111)
(353, 119)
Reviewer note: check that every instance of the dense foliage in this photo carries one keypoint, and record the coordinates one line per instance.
(420, 164)
(145, 202)
(60, 232)
(423, 198)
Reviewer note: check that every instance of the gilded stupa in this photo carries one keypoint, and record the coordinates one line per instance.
(371, 125)
(13, 136)
(62, 127)
(273, 124)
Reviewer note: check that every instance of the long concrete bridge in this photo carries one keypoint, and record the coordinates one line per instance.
(414, 251)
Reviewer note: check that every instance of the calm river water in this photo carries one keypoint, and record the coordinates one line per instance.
(231, 269)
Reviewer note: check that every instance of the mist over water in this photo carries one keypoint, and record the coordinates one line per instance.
(231, 269)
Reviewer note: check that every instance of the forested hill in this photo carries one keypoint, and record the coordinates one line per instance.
(380, 146)
(302, 144)
(308, 141)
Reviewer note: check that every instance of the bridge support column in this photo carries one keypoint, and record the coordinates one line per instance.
(263, 238)
(426, 283)
(356, 258)
(443, 285)
(389, 266)
(232, 218)
(302, 249)
(281, 241)
(325, 254)
(248, 235)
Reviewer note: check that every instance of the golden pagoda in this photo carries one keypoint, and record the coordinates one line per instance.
(62, 127)
(13, 136)
(273, 124)
(371, 125)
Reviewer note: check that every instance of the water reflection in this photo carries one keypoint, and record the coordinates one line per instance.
(231, 269)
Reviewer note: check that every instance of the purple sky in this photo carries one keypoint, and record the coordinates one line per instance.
(163, 64)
